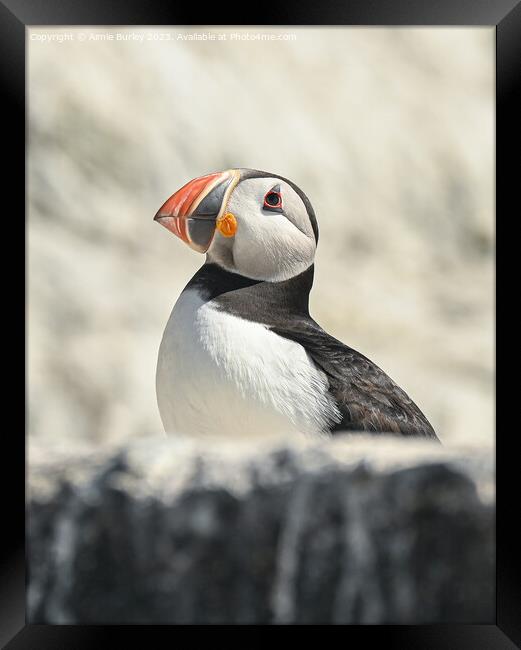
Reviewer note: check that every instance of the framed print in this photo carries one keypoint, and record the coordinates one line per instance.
(278, 408)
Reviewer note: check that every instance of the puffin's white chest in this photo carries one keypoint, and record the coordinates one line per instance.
(220, 374)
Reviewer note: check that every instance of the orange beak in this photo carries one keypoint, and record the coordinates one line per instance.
(194, 211)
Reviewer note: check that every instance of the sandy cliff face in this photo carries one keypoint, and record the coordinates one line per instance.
(389, 132)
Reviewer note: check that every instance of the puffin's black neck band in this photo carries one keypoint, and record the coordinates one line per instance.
(269, 303)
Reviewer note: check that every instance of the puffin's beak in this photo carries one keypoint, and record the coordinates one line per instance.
(192, 212)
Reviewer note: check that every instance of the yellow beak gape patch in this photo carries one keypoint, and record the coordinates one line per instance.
(227, 224)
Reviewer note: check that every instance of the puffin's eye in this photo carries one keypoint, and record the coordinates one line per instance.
(272, 200)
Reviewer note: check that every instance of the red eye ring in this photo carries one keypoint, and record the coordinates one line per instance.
(273, 200)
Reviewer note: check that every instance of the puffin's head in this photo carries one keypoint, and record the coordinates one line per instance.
(257, 224)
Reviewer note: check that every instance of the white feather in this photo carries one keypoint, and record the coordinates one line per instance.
(220, 374)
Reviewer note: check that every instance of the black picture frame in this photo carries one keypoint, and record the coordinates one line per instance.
(15, 16)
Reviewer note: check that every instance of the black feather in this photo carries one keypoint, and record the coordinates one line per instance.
(367, 398)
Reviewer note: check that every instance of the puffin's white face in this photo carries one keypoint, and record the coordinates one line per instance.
(274, 239)
(256, 226)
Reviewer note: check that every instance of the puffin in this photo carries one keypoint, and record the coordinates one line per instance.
(240, 355)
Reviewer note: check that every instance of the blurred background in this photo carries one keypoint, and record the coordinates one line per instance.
(390, 133)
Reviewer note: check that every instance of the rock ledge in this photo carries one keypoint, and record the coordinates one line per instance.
(344, 531)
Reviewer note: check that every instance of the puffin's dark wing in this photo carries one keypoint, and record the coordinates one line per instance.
(367, 398)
